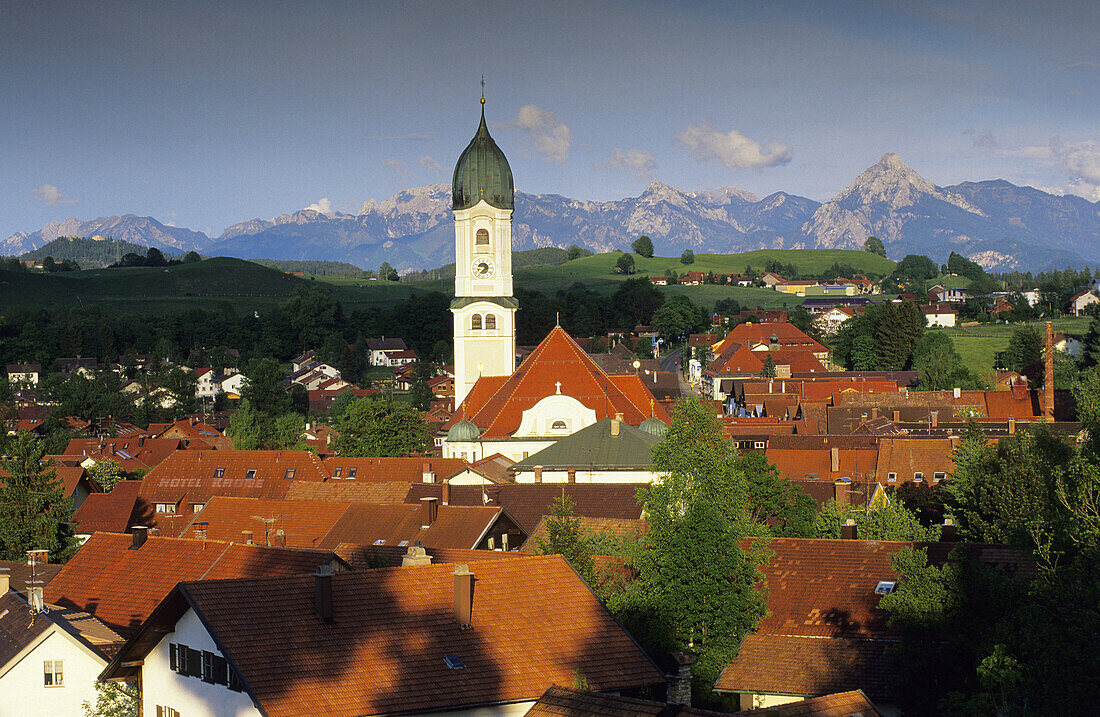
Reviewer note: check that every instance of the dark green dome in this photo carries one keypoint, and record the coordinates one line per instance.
(654, 426)
(482, 172)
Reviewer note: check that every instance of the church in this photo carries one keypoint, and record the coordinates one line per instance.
(558, 389)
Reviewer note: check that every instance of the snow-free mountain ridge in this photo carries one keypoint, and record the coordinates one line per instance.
(998, 224)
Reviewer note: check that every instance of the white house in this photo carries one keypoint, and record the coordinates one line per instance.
(428, 644)
(23, 373)
(207, 383)
(233, 385)
(941, 315)
(1082, 301)
(48, 664)
(830, 321)
(378, 348)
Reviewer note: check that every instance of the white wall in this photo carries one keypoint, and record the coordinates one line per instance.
(590, 476)
(476, 450)
(190, 696)
(25, 695)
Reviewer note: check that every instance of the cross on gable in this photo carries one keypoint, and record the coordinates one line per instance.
(557, 386)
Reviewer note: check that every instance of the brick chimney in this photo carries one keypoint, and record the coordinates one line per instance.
(446, 492)
(5, 580)
(934, 418)
(464, 596)
(834, 459)
(848, 530)
(571, 476)
(897, 416)
(538, 474)
(842, 492)
(247, 536)
(948, 533)
(1048, 376)
(1012, 426)
(429, 509)
(138, 535)
(679, 688)
(426, 473)
(322, 595)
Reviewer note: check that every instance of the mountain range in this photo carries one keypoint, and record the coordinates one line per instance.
(998, 224)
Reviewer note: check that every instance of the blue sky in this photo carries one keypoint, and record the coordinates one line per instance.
(204, 114)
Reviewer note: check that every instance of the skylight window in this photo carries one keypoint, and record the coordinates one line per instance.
(454, 662)
(219, 472)
(250, 474)
(885, 587)
(403, 543)
(351, 472)
(380, 541)
(289, 473)
(336, 473)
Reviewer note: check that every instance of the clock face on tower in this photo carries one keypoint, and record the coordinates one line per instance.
(483, 268)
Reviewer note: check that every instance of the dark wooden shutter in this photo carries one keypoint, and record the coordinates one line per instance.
(220, 667)
(194, 663)
(173, 661)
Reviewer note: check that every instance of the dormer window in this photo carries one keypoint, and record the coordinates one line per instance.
(481, 238)
(289, 474)
(558, 426)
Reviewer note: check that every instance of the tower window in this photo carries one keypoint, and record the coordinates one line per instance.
(490, 321)
(481, 238)
(475, 322)
(558, 426)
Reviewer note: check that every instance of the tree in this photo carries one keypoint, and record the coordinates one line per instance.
(774, 501)
(113, 699)
(643, 246)
(299, 399)
(695, 587)
(34, 512)
(688, 257)
(940, 365)
(387, 272)
(874, 245)
(635, 302)
(420, 395)
(915, 268)
(49, 265)
(253, 430)
(374, 426)
(768, 370)
(573, 252)
(564, 538)
(1024, 352)
(340, 404)
(676, 317)
(154, 257)
(192, 257)
(106, 473)
(728, 307)
(625, 264)
(263, 386)
(313, 315)
(886, 519)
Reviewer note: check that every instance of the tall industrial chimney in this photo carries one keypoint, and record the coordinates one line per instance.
(1048, 376)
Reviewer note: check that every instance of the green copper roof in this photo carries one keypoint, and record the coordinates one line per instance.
(594, 448)
(463, 431)
(482, 172)
(508, 302)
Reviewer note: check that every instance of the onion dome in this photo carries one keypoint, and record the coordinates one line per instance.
(654, 426)
(463, 431)
(482, 172)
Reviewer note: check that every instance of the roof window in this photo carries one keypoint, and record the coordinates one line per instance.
(885, 587)
(336, 473)
(938, 476)
(219, 472)
(289, 473)
(250, 474)
(918, 477)
(351, 472)
(380, 541)
(892, 477)
(403, 543)
(454, 662)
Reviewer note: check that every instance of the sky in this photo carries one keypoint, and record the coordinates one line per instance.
(205, 114)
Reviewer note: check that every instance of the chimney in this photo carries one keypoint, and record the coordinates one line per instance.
(200, 530)
(426, 473)
(141, 440)
(957, 392)
(948, 533)
(247, 535)
(934, 418)
(464, 596)
(848, 530)
(138, 535)
(571, 476)
(429, 509)
(615, 424)
(842, 491)
(897, 416)
(538, 474)
(1048, 376)
(679, 691)
(834, 459)
(874, 413)
(446, 492)
(5, 579)
(322, 595)
(416, 555)
(1012, 426)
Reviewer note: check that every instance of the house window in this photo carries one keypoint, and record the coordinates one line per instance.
(380, 541)
(197, 507)
(289, 474)
(163, 711)
(490, 321)
(758, 444)
(475, 322)
(481, 238)
(892, 477)
(937, 477)
(918, 477)
(250, 474)
(351, 473)
(165, 507)
(219, 473)
(53, 673)
(558, 426)
(336, 473)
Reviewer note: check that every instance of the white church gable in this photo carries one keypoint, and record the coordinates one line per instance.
(557, 415)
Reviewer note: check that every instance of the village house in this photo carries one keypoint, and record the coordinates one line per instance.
(429, 635)
(939, 293)
(378, 350)
(1081, 301)
(608, 451)
(23, 374)
(829, 321)
(940, 315)
(771, 280)
(233, 386)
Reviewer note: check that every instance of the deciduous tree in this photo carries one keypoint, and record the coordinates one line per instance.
(642, 246)
(374, 426)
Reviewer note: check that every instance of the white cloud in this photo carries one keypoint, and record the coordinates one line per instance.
(52, 195)
(641, 162)
(734, 149)
(1079, 160)
(429, 163)
(322, 205)
(397, 168)
(985, 139)
(551, 137)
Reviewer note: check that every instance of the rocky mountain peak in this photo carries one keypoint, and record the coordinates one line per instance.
(890, 182)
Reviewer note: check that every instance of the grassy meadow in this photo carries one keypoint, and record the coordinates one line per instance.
(978, 344)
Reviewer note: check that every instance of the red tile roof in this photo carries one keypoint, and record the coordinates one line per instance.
(113, 512)
(841, 704)
(401, 470)
(788, 335)
(130, 453)
(906, 457)
(391, 555)
(802, 464)
(121, 586)
(188, 477)
(496, 404)
(564, 702)
(383, 652)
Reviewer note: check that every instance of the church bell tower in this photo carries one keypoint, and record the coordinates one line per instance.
(484, 309)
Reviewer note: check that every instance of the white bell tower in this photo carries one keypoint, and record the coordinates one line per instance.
(484, 309)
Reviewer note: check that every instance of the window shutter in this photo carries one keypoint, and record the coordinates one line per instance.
(235, 681)
(173, 662)
(194, 663)
(220, 667)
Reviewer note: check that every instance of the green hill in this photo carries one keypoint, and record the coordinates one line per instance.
(88, 253)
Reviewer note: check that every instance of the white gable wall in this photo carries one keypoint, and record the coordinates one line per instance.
(190, 696)
(23, 689)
